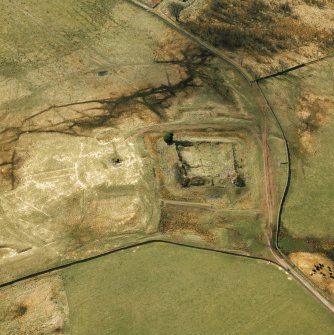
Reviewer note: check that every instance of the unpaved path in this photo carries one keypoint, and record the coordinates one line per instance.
(278, 257)
(271, 226)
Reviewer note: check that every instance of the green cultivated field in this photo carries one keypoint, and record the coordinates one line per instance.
(88, 90)
(163, 289)
(78, 77)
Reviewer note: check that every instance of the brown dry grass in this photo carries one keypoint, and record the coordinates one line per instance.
(306, 262)
(263, 35)
(171, 47)
(37, 306)
(252, 25)
(313, 113)
(184, 220)
(133, 115)
(246, 201)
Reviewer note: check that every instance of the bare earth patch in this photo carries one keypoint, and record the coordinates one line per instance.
(71, 191)
(37, 307)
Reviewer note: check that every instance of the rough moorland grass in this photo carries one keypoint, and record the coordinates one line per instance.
(163, 289)
(252, 25)
(308, 213)
(238, 230)
(35, 32)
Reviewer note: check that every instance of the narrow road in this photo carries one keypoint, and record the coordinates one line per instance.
(187, 204)
(195, 39)
(278, 257)
(208, 206)
(171, 126)
(277, 254)
(301, 279)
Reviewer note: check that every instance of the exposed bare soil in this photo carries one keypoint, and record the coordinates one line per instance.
(77, 174)
(37, 307)
(209, 168)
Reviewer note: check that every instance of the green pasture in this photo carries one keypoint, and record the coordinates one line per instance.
(164, 289)
(308, 211)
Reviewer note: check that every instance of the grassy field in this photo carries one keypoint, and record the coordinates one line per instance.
(52, 53)
(81, 85)
(163, 289)
(75, 177)
(304, 104)
(237, 230)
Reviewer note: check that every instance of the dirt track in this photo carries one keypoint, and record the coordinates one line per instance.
(271, 226)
